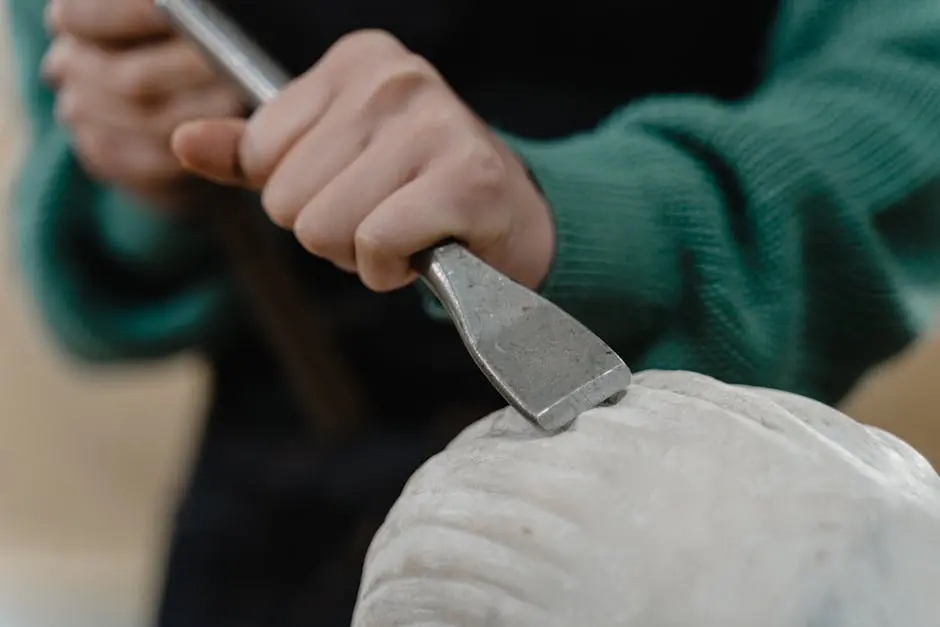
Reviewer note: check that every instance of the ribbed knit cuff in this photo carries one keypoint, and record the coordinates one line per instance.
(622, 200)
(614, 199)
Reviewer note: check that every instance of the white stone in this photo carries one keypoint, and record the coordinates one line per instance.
(690, 504)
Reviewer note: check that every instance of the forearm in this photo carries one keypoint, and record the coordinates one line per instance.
(786, 241)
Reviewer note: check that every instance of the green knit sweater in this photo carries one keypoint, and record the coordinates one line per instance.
(791, 239)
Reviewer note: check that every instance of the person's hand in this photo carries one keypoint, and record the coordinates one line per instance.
(123, 83)
(370, 157)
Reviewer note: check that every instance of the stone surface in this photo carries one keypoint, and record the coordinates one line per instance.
(690, 504)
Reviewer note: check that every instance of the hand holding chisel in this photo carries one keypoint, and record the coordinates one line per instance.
(372, 160)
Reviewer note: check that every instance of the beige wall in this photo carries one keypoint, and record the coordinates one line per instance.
(89, 461)
(903, 397)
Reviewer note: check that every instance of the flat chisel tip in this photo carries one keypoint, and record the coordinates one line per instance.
(546, 364)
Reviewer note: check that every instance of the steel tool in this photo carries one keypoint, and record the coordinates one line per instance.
(546, 364)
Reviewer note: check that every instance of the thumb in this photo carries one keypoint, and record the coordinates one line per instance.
(210, 149)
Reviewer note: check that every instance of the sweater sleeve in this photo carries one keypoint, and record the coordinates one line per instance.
(111, 279)
(790, 240)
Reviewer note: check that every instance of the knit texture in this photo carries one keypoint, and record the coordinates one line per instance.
(788, 240)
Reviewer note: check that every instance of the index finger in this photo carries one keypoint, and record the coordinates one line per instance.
(106, 20)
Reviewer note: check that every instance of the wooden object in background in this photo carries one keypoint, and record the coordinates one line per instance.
(903, 397)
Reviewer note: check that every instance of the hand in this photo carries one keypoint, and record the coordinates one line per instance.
(370, 157)
(123, 84)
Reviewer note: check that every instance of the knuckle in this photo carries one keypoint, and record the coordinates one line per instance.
(433, 123)
(132, 80)
(104, 19)
(257, 165)
(56, 61)
(52, 17)
(280, 212)
(367, 244)
(409, 68)
(319, 239)
(481, 170)
(370, 41)
(66, 16)
(374, 270)
(374, 57)
(68, 108)
(396, 80)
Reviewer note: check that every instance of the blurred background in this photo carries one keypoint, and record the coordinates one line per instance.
(90, 461)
